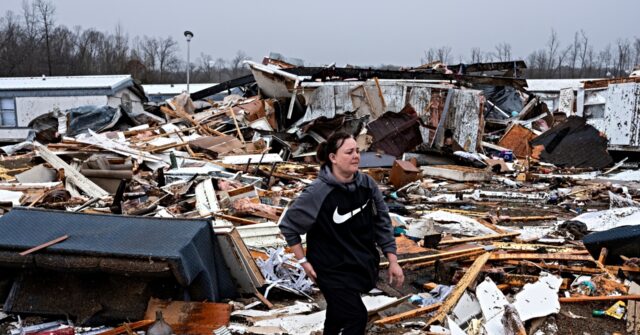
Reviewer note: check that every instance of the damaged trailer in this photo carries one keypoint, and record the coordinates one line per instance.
(109, 266)
(436, 107)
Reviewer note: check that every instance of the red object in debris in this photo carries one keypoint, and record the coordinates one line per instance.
(60, 331)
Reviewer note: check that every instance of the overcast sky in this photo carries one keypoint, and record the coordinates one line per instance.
(354, 32)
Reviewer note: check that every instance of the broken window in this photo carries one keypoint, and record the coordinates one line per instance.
(8, 112)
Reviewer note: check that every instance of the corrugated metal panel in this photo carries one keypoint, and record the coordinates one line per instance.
(69, 82)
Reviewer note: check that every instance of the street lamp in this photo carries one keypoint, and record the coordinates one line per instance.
(188, 35)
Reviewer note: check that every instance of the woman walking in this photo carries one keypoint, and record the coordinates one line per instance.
(345, 218)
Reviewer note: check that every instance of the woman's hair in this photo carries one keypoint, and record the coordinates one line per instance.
(331, 146)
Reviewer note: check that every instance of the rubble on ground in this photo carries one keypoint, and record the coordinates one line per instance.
(507, 222)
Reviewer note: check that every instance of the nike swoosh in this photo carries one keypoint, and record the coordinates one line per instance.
(341, 218)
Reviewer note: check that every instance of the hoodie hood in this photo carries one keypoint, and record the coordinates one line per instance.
(327, 177)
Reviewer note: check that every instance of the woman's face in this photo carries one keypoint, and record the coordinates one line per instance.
(347, 159)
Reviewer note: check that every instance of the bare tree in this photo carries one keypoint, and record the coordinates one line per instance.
(476, 55)
(46, 10)
(552, 49)
(503, 52)
(636, 48)
(604, 61)
(623, 57)
(444, 54)
(236, 62)
(166, 53)
(586, 49)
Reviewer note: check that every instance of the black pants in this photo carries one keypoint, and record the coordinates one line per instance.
(345, 312)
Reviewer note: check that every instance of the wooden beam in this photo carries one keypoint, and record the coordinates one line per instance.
(562, 268)
(82, 182)
(44, 245)
(469, 277)
(600, 298)
(389, 305)
(432, 257)
(478, 238)
(603, 255)
(491, 226)
(534, 256)
(446, 259)
(527, 218)
(263, 299)
(125, 326)
(408, 314)
(234, 219)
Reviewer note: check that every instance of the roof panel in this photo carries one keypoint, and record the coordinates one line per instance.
(63, 82)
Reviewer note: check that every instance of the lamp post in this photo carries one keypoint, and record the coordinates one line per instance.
(188, 35)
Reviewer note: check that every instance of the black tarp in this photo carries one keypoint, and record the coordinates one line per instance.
(187, 245)
(574, 143)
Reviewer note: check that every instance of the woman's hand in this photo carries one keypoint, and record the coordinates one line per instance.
(396, 277)
(308, 269)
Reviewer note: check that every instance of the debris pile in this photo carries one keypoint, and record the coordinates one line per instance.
(510, 218)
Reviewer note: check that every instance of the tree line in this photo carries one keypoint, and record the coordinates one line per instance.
(32, 44)
(577, 59)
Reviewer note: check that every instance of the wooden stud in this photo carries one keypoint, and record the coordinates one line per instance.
(478, 238)
(408, 314)
(469, 277)
(600, 298)
(44, 245)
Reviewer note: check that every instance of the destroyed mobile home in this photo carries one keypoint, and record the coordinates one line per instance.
(511, 216)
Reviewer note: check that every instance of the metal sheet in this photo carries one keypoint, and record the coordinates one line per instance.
(465, 117)
(622, 114)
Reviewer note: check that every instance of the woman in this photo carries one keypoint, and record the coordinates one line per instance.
(344, 216)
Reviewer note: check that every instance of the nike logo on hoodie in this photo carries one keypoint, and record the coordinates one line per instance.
(341, 218)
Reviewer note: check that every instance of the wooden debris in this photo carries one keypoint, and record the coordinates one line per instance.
(131, 326)
(44, 245)
(197, 318)
(408, 314)
(82, 182)
(433, 257)
(478, 238)
(600, 298)
(469, 277)
(533, 256)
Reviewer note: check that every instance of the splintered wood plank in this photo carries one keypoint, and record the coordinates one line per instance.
(469, 277)
(196, 318)
(432, 257)
(633, 311)
(601, 298)
(408, 314)
(82, 182)
(446, 259)
(478, 238)
(534, 256)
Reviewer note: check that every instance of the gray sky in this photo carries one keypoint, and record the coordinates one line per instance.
(355, 32)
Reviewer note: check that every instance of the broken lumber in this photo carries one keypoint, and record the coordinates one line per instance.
(408, 314)
(534, 256)
(127, 326)
(479, 238)
(447, 259)
(600, 298)
(469, 277)
(44, 245)
(432, 257)
(389, 305)
(82, 182)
